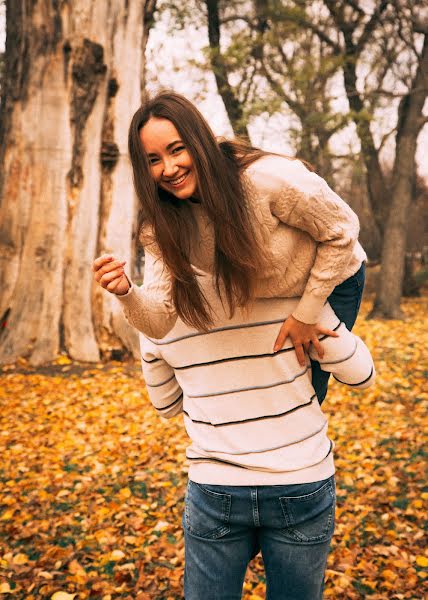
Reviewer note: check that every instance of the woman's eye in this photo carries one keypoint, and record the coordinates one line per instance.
(178, 149)
(153, 160)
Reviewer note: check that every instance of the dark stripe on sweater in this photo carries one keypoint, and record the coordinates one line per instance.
(334, 329)
(253, 468)
(261, 418)
(234, 358)
(180, 397)
(354, 384)
(337, 362)
(263, 451)
(153, 385)
(163, 342)
(251, 388)
(150, 362)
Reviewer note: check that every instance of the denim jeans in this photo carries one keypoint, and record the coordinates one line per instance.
(226, 526)
(345, 300)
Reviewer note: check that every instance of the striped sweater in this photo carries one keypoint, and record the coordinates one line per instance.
(252, 416)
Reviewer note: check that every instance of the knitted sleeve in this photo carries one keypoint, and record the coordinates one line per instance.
(303, 200)
(347, 358)
(150, 308)
(163, 389)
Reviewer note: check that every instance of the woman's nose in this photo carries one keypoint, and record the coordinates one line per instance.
(169, 168)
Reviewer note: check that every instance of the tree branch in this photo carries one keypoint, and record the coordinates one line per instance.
(370, 26)
(279, 90)
(234, 18)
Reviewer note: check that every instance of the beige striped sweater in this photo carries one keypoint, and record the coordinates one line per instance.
(252, 416)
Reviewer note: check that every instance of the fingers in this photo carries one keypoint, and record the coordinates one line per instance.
(111, 267)
(300, 353)
(101, 261)
(113, 284)
(109, 277)
(302, 336)
(299, 346)
(328, 332)
(318, 347)
(316, 342)
(282, 336)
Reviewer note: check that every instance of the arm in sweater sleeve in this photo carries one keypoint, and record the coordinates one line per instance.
(303, 200)
(347, 358)
(149, 308)
(163, 389)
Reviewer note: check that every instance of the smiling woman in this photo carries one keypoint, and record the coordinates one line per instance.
(170, 162)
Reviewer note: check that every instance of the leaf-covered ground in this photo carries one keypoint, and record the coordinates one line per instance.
(92, 481)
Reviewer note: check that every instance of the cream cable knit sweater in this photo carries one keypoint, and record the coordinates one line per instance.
(309, 235)
(252, 416)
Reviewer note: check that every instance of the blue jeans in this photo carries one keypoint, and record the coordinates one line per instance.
(345, 300)
(226, 526)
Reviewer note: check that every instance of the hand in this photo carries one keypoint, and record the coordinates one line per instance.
(302, 335)
(109, 273)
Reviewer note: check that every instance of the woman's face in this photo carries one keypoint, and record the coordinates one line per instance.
(170, 162)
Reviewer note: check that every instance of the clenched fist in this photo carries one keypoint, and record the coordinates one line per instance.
(109, 273)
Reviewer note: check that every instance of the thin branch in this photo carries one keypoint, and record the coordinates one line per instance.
(249, 86)
(322, 36)
(234, 18)
(283, 55)
(358, 9)
(385, 138)
(278, 89)
(370, 25)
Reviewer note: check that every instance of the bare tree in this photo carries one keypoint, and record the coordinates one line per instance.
(391, 42)
(219, 67)
(72, 80)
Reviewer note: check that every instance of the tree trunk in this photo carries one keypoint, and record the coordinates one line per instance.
(375, 180)
(72, 82)
(231, 103)
(387, 302)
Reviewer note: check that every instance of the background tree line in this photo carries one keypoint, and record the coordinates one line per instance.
(73, 75)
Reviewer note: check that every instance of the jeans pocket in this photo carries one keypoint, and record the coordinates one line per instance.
(206, 512)
(310, 518)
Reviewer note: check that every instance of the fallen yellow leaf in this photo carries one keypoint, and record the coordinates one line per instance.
(20, 559)
(422, 561)
(4, 588)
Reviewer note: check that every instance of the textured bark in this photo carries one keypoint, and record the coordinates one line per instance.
(72, 82)
(387, 302)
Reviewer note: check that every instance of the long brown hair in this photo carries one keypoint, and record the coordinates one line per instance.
(218, 167)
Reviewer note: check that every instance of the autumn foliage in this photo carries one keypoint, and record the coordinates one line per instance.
(92, 480)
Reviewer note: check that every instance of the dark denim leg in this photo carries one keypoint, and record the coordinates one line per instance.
(219, 541)
(345, 300)
(297, 523)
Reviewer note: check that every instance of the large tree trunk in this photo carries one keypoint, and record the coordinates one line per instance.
(72, 82)
(387, 302)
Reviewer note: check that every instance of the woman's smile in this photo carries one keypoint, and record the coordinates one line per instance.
(178, 181)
